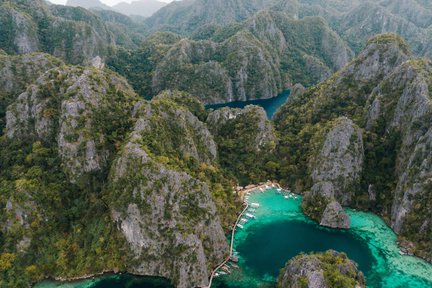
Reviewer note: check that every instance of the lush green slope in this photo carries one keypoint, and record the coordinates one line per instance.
(328, 269)
(68, 205)
(257, 59)
(389, 98)
(74, 34)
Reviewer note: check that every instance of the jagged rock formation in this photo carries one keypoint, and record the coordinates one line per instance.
(105, 181)
(167, 216)
(74, 121)
(336, 170)
(246, 141)
(321, 271)
(335, 217)
(388, 96)
(257, 60)
(16, 72)
(351, 19)
(74, 34)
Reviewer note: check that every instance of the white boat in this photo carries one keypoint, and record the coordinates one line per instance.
(250, 215)
(279, 189)
(243, 220)
(255, 205)
(252, 210)
(240, 226)
(286, 197)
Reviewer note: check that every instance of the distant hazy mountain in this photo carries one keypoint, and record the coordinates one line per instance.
(88, 4)
(144, 8)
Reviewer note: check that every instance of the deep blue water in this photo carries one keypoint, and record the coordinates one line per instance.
(270, 105)
(264, 254)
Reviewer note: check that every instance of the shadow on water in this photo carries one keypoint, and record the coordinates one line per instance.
(129, 281)
(268, 247)
(270, 105)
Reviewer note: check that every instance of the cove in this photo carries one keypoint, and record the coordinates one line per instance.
(270, 105)
(281, 231)
(111, 281)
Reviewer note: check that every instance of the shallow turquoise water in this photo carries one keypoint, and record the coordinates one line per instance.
(281, 231)
(270, 105)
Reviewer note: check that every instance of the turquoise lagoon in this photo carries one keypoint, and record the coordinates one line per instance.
(270, 105)
(281, 231)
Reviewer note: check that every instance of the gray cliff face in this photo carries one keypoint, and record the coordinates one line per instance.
(382, 54)
(310, 271)
(335, 217)
(196, 67)
(64, 105)
(403, 103)
(16, 72)
(336, 171)
(167, 216)
(263, 137)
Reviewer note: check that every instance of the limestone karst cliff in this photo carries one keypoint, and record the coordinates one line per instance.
(387, 97)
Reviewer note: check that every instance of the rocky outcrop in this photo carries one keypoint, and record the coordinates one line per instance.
(388, 96)
(248, 64)
(247, 139)
(167, 216)
(337, 169)
(74, 107)
(312, 270)
(73, 34)
(16, 72)
(335, 217)
(403, 104)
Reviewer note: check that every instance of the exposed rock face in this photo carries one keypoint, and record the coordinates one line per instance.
(154, 202)
(335, 217)
(167, 216)
(264, 137)
(75, 35)
(403, 103)
(248, 64)
(310, 271)
(247, 138)
(66, 105)
(337, 169)
(16, 72)
(388, 95)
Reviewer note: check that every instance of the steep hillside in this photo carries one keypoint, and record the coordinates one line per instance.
(246, 142)
(83, 159)
(321, 270)
(15, 74)
(259, 59)
(388, 97)
(74, 34)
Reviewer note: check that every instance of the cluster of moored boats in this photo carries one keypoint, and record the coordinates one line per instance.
(229, 266)
(248, 216)
(287, 194)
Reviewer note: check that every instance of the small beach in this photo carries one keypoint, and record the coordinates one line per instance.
(279, 230)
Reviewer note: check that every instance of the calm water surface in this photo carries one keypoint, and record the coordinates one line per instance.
(281, 231)
(270, 105)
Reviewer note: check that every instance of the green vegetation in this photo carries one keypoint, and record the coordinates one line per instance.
(245, 144)
(336, 268)
(138, 65)
(314, 206)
